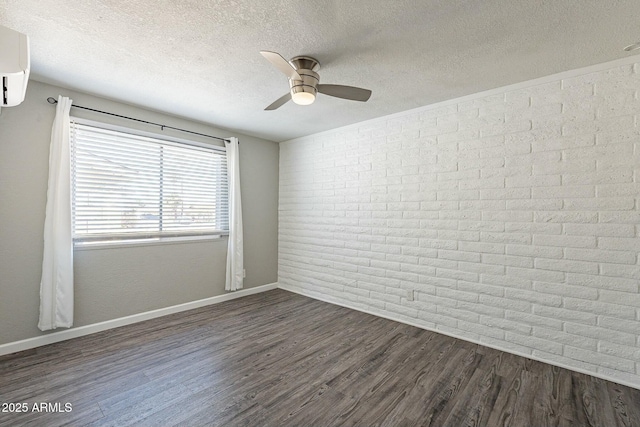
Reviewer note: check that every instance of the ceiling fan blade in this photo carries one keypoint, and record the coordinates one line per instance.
(281, 64)
(279, 102)
(345, 92)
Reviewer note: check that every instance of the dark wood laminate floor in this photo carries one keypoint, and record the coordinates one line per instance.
(280, 359)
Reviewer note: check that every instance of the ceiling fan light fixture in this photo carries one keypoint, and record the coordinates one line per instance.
(303, 98)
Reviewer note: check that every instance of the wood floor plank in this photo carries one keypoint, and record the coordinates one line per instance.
(474, 406)
(552, 398)
(430, 402)
(280, 359)
(625, 405)
(513, 404)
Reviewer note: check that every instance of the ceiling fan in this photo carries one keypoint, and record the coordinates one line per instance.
(304, 82)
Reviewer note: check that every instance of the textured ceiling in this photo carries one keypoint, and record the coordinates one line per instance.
(200, 58)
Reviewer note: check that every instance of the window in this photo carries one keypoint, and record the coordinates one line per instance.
(130, 185)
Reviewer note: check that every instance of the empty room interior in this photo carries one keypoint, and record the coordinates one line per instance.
(320, 213)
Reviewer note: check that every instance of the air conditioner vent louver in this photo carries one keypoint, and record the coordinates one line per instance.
(14, 66)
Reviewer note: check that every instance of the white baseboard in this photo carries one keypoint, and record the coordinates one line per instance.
(80, 331)
(506, 350)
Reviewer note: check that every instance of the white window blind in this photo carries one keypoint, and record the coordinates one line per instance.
(133, 186)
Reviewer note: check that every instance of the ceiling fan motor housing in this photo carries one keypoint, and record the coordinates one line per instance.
(306, 68)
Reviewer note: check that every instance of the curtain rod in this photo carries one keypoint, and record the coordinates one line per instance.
(52, 100)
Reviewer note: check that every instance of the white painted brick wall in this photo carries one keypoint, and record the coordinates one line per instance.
(510, 219)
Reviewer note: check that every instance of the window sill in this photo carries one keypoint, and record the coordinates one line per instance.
(159, 241)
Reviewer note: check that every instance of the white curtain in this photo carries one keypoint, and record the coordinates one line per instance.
(56, 286)
(235, 255)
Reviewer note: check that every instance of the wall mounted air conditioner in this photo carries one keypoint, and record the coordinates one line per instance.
(14, 66)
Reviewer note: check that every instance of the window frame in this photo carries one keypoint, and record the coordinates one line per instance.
(151, 239)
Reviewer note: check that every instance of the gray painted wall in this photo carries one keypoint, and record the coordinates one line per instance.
(117, 282)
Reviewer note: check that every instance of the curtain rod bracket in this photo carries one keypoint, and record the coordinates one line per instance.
(52, 100)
